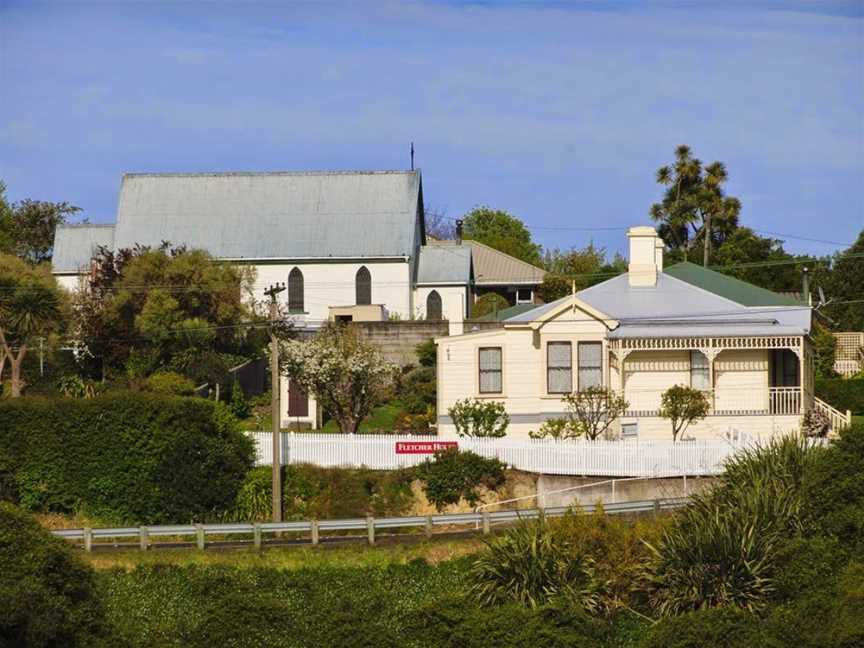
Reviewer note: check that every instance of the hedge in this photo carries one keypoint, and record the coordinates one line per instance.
(125, 457)
(844, 394)
(47, 594)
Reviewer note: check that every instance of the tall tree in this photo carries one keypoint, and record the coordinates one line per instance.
(347, 375)
(6, 237)
(846, 284)
(30, 307)
(502, 231)
(694, 207)
(577, 267)
(34, 223)
(168, 308)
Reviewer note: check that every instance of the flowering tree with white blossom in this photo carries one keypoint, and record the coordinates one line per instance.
(347, 375)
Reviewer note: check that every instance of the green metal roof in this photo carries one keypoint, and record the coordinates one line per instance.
(505, 313)
(731, 288)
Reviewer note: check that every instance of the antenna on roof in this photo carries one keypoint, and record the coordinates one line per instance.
(412, 156)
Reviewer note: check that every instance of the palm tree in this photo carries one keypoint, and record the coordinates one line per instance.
(29, 308)
(694, 199)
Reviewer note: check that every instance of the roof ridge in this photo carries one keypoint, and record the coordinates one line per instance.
(510, 256)
(212, 174)
(730, 280)
(84, 225)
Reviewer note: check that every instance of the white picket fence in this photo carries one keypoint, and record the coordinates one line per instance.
(590, 458)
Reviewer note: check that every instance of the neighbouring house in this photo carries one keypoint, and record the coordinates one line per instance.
(494, 271)
(638, 334)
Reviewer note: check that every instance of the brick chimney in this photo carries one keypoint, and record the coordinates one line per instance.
(646, 256)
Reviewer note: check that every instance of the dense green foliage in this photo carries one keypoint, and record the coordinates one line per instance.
(720, 551)
(844, 394)
(169, 383)
(502, 231)
(844, 287)
(491, 302)
(216, 606)
(148, 310)
(577, 268)
(47, 595)
(474, 417)
(130, 457)
(452, 475)
(427, 353)
(312, 492)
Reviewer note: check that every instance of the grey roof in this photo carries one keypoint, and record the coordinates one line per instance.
(444, 264)
(75, 245)
(495, 268)
(273, 215)
(675, 308)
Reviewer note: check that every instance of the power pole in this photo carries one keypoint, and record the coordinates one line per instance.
(275, 408)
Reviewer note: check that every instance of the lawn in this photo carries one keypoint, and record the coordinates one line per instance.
(382, 419)
(354, 555)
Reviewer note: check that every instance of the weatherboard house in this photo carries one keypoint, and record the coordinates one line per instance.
(349, 246)
(638, 334)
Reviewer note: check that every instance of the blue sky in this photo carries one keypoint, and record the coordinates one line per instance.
(558, 112)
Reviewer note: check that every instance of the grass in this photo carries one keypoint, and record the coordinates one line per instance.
(858, 420)
(433, 551)
(382, 419)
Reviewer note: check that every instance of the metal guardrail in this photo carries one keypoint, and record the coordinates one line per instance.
(477, 519)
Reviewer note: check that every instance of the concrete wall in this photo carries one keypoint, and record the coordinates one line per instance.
(631, 490)
(398, 340)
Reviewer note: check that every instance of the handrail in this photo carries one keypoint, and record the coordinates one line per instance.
(144, 534)
(571, 488)
(839, 421)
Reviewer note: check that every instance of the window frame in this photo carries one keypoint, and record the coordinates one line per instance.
(549, 367)
(293, 308)
(580, 368)
(702, 370)
(530, 299)
(440, 305)
(499, 371)
(358, 287)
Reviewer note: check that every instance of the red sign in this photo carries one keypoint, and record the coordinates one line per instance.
(423, 447)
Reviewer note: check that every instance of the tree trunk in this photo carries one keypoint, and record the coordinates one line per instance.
(15, 365)
(707, 232)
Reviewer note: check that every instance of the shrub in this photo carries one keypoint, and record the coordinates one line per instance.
(827, 616)
(721, 550)
(683, 406)
(532, 566)
(427, 353)
(169, 383)
(456, 622)
(479, 418)
(711, 628)
(452, 475)
(590, 413)
(555, 428)
(47, 595)
(834, 500)
(205, 606)
(489, 303)
(805, 565)
(418, 390)
(843, 394)
(313, 492)
(129, 457)
(239, 404)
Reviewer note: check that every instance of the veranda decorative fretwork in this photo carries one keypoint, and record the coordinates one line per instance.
(711, 346)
